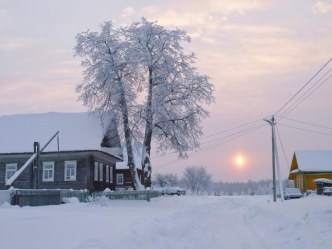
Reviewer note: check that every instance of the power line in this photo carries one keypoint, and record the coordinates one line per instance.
(214, 146)
(307, 123)
(297, 128)
(236, 127)
(276, 113)
(229, 135)
(235, 135)
(247, 126)
(223, 139)
(282, 146)
(303, 97)
(253, 126)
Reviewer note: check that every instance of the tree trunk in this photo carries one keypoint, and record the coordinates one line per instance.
(146, 151)
(146, 163)
(128, 140)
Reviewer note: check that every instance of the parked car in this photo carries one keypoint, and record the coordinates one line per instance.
(172, 191)
(327, 191)
(292, 193)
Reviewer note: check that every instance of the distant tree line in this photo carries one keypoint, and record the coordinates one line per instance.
(197, 180)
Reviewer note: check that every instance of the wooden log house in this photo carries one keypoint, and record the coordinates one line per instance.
(86, 159)
(309, 165)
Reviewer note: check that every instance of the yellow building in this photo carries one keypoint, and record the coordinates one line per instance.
(308, 165)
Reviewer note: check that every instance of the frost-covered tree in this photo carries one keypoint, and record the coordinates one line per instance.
(165, 180)
(110, 81)
(261, 187)
(145, 61)
(175, 92)
(197, 179)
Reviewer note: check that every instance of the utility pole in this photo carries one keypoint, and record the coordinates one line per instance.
(278, 169)
(275, 160)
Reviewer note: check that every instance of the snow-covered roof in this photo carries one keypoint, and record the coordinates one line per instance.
(295, 171)
(137, 158)
(323, 180)
(314, 160)
(78, 131)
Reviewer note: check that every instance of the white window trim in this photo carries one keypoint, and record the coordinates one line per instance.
(111, 174)
(48, 179)
(65, 173)
(7, 165)
(96, 172)
(107, 173)
(117, 179)
(101, 175)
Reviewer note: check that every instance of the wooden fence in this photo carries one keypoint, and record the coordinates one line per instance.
(40, 197)
(128, 195)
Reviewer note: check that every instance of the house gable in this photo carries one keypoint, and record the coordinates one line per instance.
(308, 165)
(294, 167)
(314, 160)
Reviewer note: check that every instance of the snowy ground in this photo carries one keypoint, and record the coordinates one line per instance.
(171, 222)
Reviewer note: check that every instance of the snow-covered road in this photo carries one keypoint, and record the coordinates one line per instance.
(250, 222)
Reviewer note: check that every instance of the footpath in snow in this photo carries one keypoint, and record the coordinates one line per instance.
(244, 222)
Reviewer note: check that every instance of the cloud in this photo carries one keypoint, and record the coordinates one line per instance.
(3, 19)
(127, 12)
(17, 43)
(321, 8)
(188, 12)
(11, 45)
(240, 42)
(201, 19)
(52, 96)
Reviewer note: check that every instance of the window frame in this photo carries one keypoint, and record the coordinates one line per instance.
(111, 174)
(101, 172)
(117, 178)
(96, 172)
(7, 170)
(67, 163)
(107, 173)
(50, 163)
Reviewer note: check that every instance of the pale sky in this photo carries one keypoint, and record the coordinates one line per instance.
(257, 53)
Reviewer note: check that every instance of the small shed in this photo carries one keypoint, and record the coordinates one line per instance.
(321, 184)
(309, 165)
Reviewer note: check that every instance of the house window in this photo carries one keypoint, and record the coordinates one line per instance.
(70, 170)
(111, 174)
(11, 169)
(101, 172)
(119, 179)
(48, 171)
(301, 182)
(96, 170)
(107, 173)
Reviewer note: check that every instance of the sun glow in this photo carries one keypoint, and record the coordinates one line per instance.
(239, 161)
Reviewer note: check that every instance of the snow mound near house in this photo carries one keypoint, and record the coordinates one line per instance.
(5, 205)
(67, 200)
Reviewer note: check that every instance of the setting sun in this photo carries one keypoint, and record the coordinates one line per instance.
(239, 161)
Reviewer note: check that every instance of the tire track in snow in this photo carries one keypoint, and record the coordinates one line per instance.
(222, 223)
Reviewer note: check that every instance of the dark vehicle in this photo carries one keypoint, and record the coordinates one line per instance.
(327, 191)
(173, 191)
